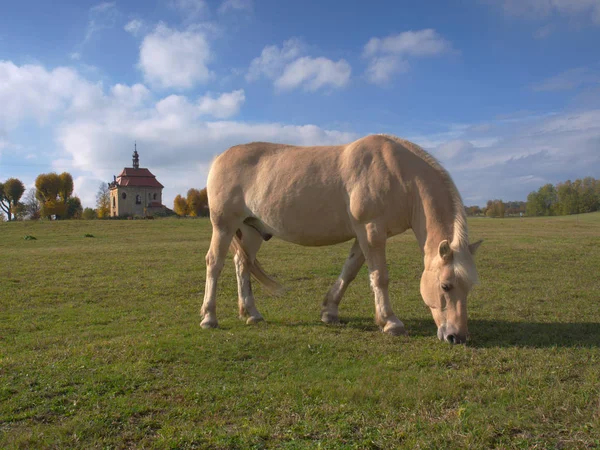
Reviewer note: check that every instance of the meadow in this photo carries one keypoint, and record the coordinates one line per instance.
(100, 344)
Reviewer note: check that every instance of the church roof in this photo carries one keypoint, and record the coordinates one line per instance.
(131, 176)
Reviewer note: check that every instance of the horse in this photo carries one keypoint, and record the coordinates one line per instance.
(368, 190)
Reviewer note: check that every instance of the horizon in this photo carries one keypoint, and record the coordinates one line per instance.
(506, 95)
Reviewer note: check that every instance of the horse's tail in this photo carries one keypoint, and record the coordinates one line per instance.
(256, 270)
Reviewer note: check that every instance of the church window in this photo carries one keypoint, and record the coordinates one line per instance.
(138, 199)
(154, 196)
(123, 195)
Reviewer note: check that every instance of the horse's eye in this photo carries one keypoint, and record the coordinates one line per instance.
(446, 287)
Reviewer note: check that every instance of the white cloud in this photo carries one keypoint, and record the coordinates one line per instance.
(102, 16)
(235, 5)
(224, 106)
(191, 10)
(134, 27)
(388, 56)
(31, 91)
(289, 70)
(520, 155)
(569, 79)
(314, 73)
(272, 59)
(541, 9)
(381, 69)
(175, 59)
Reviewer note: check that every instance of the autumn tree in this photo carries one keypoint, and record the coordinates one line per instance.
(180, 206)
(197, 202)
(495, 208)
(54, 192)
(10, 194)
(103, 201)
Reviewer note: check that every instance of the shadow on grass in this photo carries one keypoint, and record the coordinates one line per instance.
(488, 333)
(501, 333)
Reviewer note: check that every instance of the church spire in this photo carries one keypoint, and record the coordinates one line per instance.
(136, 157)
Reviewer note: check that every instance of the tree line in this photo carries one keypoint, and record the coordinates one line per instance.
(52, 198)
(569, 197)
(194, 204)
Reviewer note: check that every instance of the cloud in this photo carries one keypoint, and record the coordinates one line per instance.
(175, 59)
(272, 59)
(134, 27)
(389, 56)
(224, 106)
(289, 70)
(92, 128)
(102, 16)
(32, 92)
(520, 156)
(569, 79)
(542, 9)
(313, 74)
(235, 5)
(191, 10)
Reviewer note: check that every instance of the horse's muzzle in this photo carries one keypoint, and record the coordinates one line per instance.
(450, 334)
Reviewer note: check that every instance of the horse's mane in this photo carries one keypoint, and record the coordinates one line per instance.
(461, 232)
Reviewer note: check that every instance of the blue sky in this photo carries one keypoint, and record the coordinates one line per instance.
(506, 93)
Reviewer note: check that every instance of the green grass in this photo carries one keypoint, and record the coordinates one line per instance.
(101, 347)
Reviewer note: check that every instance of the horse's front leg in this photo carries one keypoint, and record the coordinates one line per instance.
(355, 260)
(372, 238)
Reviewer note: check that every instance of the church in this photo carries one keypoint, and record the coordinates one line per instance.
(135, 192)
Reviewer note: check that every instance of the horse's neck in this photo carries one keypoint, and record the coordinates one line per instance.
(432, 221)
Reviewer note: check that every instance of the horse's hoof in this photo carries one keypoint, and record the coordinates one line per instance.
(330, 319)
(207, 324)
(254, 319)
(395, 329)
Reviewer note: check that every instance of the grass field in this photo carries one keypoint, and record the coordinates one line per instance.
(101, 347)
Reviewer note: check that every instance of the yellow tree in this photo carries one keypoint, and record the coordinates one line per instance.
(103, 201)
(10, 194)
(180, 206)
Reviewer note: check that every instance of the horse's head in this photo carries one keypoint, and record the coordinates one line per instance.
(448, 277)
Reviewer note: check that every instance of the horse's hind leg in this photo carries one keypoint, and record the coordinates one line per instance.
(372, 239)
(355, 260)
(251, 241)
(215, 259)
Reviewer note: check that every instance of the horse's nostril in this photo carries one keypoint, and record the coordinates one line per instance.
(451, 338)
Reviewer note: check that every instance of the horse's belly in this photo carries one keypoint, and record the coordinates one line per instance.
(307, 225)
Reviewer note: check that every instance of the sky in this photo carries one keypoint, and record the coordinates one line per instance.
(505, 93)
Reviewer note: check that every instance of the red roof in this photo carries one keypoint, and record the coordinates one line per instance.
(137, 177)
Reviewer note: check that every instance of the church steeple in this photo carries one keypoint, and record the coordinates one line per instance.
(136, 157)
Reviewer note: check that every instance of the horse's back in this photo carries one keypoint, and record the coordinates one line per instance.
(308, 195)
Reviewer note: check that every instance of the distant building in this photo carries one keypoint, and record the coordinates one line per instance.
(135, 192)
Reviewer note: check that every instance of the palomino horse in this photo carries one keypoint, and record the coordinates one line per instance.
(368, 190)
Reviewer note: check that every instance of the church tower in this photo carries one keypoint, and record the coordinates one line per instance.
(135, 191)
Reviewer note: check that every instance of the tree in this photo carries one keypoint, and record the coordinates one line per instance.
(568, 198)
(88, 214)
(10, 194)
(180, 206)
(31, 205)
(54, 191)
(103, 201)
(197, 202)
(495, 208)
(74, 208)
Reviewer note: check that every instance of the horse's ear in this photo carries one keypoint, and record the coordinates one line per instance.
(473, 247)
(445, 251)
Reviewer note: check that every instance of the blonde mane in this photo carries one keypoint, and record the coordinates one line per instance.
(461, 233)
(463, 263)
